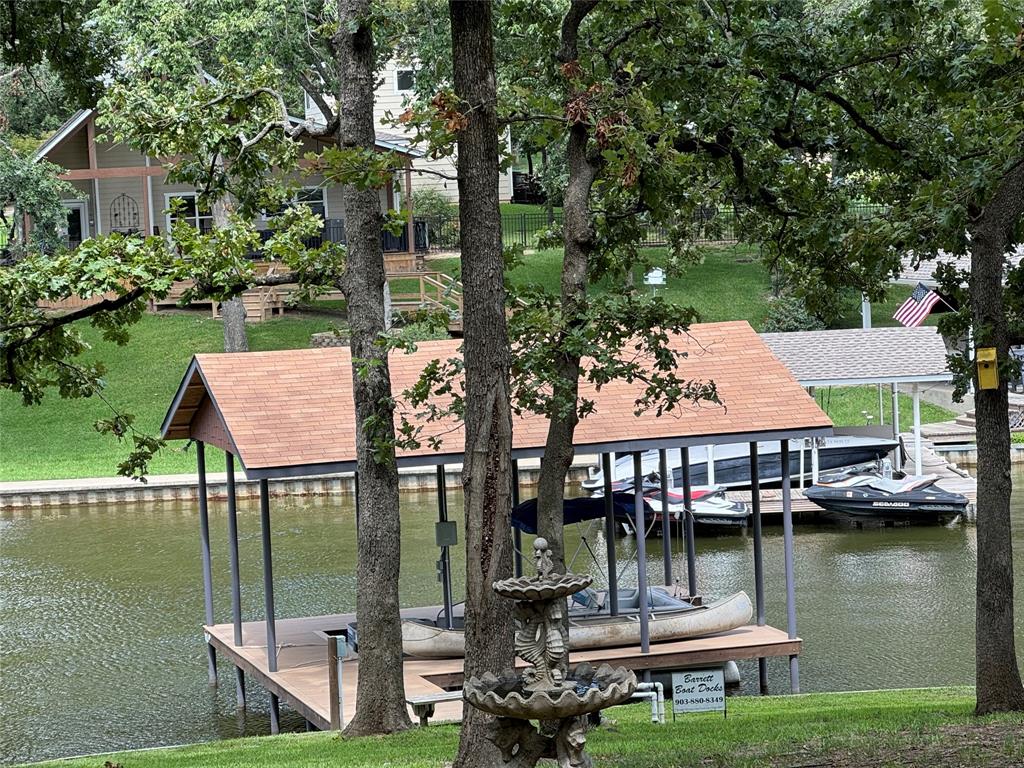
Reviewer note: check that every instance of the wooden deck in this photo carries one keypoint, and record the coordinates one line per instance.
(302, 680)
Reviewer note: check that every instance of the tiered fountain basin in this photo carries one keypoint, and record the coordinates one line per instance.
(585, 690)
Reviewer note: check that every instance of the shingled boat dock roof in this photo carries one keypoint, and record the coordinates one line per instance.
(291, 412)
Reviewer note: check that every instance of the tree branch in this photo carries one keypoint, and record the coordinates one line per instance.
(577, 12)
(624, 36)
(58, 321)
(317, 96)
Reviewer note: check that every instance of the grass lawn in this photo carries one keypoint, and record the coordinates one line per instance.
(514, 209)
(731, 284)
(846, 406)
(56, 439)
(915, 729)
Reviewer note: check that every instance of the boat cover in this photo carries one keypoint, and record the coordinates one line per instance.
(578, 510)
(890, 486)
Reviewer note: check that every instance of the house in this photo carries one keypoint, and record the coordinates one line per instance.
(118, 189)
(393, 90)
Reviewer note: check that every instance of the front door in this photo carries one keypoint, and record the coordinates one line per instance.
(78, 223)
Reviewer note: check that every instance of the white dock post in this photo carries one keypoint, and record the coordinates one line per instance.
(917, 429)
(897, 456)
(709, 451)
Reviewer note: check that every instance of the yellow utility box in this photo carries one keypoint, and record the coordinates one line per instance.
(988, 370)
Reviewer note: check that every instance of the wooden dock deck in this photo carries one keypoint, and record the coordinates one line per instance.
(302, 677)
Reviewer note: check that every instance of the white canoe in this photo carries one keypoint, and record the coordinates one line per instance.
(429, 642)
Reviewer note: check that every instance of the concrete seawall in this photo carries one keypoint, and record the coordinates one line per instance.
(116, 490)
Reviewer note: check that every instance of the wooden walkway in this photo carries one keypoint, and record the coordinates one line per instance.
(302, 678)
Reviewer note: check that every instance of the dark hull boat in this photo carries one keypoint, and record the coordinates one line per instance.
(711, 510)
(732, 462)
(911, 498)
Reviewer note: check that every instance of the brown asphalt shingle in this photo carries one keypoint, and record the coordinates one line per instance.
(295, 407)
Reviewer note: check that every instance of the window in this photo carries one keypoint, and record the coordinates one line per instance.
(314, 197)
(405, 80)
(189, 211)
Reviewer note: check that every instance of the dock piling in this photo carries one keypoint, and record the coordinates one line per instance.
(275, 715)
(607, 461)
(755, 508)
(787, 534)
(268, 576)
(691, 538)
(446, 564)
(204, 539)
(236, 584)
(666, 522)
(641, 550)
(333, 682)
(240, 686)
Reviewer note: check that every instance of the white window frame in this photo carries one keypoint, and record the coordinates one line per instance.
(294, 200)
(82, 206)
(168, 196)
(405, 68)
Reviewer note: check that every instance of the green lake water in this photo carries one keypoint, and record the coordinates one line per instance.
(101, 606)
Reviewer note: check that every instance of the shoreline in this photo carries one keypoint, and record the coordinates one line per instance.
(32, 494)
(26, 494)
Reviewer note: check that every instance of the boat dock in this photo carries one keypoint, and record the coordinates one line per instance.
(305, 683)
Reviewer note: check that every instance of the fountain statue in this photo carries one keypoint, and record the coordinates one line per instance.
(547, 690)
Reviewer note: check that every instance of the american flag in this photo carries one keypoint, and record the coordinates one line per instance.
(914, 310)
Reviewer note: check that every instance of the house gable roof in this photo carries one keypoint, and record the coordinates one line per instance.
(385, 142)
(291, 412)
(63, 133)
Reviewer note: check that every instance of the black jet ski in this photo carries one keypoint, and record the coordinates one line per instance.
(872, 494)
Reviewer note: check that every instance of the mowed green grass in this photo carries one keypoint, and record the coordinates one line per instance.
(731, 283)
(915, 728)
(847, 406)
(56, 439)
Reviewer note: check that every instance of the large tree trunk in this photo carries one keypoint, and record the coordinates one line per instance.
(487, 471)
(578, 236)
(380, 702)
(232, 311)
(998, 678)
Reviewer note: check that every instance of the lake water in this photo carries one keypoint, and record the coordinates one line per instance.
(100, 609)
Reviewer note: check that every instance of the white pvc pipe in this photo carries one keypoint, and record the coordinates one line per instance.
(865, 311)
(656, 693)
(814, 460)
(652, 696)
(710, 452)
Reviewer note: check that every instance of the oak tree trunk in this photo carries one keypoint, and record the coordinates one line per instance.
(232, 311)
(578, 236)
(579, 244)
(487, 469)
(998, 677)
(380, 700)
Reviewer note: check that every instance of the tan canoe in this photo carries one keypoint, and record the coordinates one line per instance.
(429, 642)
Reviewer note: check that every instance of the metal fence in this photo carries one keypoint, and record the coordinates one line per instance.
(440, 233)
(528, 230)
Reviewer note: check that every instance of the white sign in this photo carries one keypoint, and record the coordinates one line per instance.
(655, 277)
(698, 690)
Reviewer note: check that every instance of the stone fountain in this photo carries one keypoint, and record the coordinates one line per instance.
(547, 690)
